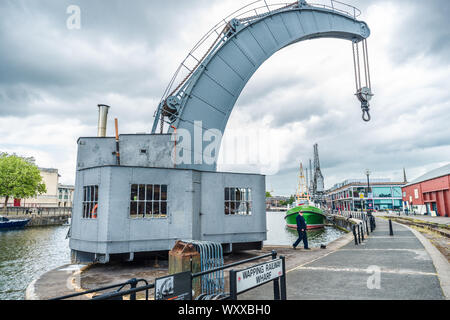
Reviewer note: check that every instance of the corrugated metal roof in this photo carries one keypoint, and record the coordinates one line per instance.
(437, 173)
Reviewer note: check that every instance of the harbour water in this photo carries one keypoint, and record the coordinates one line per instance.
(279, 234)
(27, 254)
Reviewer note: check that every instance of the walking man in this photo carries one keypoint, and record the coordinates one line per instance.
(301, 229)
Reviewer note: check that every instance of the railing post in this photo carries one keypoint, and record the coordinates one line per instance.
(133, 283)
(276, 283)
(283, 279)
(233, 289)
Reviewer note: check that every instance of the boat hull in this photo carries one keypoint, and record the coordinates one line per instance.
(13, 224)
(314, 217)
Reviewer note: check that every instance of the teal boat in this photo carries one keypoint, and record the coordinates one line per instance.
(314, 217)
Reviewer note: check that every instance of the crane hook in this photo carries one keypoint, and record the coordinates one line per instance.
(366, 112)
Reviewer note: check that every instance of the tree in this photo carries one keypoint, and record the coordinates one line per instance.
(268, 195)
(291, 200)
(20, 178)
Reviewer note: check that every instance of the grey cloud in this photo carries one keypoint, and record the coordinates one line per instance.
(48, 70)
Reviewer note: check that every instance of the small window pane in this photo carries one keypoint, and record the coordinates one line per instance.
(149, 192)
(133, 208)
(142, 192)
(155, 208)
(156, 192)
(92, 191)
(164, 208)
(233, 194)
(149, 209)
(134, 192)
(163, 193)
(141, 209)
(90, 210)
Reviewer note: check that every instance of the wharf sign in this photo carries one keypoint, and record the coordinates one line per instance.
(258, 275)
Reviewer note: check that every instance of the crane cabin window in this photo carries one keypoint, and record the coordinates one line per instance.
(148, 201)
(90, 202)
(238, 201)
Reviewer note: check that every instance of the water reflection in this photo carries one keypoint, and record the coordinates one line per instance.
(27, 254)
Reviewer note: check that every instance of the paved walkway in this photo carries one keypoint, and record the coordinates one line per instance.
(439, 220)
(407, 271)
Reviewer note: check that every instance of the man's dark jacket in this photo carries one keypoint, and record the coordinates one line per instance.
(301, 223)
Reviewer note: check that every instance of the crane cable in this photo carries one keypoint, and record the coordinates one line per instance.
(357, 66)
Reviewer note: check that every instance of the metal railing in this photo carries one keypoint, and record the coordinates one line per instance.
(23, 211)
(211, 258)
(365, 223)
(279, 286)
(233, 295)
(117, 294)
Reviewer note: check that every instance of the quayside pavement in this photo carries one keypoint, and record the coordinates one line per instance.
(383, 267)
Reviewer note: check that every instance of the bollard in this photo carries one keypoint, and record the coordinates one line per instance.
(359, 234)
(362, 231)
(391, 231)
(354, 234)
(367, 227)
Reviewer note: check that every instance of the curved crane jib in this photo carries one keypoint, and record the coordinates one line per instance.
(240, 46)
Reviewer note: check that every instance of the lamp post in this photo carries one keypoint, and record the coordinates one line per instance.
(368, 187)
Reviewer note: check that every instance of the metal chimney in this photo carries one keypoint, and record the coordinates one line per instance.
(102, 120)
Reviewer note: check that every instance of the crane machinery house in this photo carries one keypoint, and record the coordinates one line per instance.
(132, 196)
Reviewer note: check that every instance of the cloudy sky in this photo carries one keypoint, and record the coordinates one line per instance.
(124, 54)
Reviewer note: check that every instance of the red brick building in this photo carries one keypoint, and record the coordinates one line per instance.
(430, 194)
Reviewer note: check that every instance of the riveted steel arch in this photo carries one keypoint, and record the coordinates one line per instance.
(209, 92)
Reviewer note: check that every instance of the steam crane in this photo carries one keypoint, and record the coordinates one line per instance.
(133, 195)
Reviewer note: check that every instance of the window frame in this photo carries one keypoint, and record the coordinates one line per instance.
(243, 206)
(144, 205)
(90, 200)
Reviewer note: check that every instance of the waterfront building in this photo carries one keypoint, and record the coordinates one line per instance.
(57, 195)
(65, 195)
(354, 195)
(429, 194)
(275, 201)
